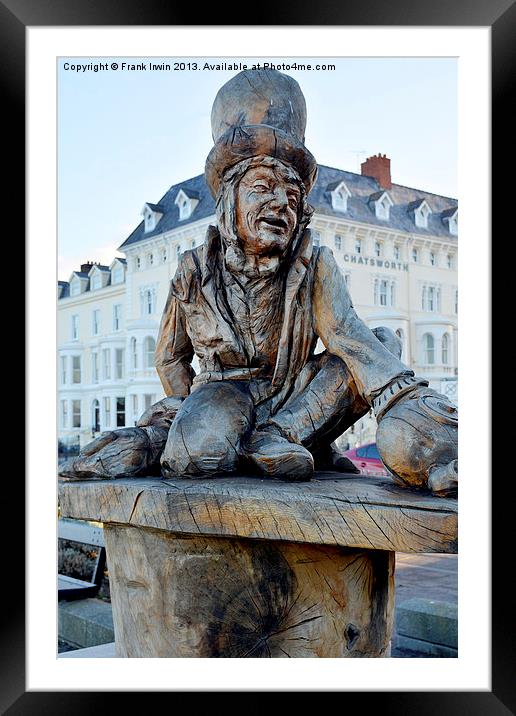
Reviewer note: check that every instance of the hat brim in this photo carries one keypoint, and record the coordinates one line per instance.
(240, 143)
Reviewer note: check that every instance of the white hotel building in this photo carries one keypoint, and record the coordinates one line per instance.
(396, 246)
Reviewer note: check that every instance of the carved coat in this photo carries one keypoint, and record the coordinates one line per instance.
(315, 303)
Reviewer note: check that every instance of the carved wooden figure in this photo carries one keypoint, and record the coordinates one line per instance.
(251, 303)
(241, 566)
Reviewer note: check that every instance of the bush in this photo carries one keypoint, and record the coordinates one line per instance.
(78, 561)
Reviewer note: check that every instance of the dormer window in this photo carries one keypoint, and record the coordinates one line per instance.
(186, 201)
(382, 205)
(421, 214)
(383, 208)
(151, 213)
(339, 196)
(78, 283)
(99, 277)
(96, 281)
(451, 217)
(150, 221)
(117, 274)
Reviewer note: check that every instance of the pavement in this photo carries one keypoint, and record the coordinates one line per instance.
(430, 577)
(424, 576)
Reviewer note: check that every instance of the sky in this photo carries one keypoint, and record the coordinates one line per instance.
(125, 136)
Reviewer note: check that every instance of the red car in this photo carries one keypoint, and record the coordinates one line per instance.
(367, 459)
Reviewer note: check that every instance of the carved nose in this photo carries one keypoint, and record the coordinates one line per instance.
(280, 199)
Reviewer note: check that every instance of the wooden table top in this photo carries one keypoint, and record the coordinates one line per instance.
(332, 509)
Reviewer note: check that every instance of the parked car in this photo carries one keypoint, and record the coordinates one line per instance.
(367, 459)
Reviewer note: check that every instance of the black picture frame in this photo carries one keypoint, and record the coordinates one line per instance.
(500, 16)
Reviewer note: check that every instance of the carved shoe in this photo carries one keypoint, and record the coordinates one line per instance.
(328, 457)
(278, 458)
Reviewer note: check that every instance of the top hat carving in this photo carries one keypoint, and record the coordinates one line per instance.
(259, 112)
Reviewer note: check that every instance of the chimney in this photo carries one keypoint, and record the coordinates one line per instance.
(379, 168)
(85, 268)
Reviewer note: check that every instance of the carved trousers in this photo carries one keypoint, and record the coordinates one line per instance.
(210, 430)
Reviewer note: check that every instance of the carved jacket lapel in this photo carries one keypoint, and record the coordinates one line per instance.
(295, 277)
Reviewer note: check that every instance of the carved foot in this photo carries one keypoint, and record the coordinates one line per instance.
(276, 457)
(329, 458)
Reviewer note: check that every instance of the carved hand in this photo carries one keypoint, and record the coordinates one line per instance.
(161, 414)
(127, 452)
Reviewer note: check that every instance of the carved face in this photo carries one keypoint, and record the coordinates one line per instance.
(267, 210)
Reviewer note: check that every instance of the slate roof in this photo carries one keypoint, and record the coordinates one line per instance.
(416, 204)
(190, 193)
(333, 185)
(65, 292)
(156, 207)
(360, 209)
(377, 195)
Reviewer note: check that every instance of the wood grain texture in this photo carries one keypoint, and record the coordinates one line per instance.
(177, 596)
(358, 512)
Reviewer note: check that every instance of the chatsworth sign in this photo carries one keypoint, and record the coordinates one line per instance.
(370, 261)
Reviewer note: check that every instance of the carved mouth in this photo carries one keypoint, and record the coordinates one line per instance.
(274, 223)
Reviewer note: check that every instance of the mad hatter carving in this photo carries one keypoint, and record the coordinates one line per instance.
(251, 303)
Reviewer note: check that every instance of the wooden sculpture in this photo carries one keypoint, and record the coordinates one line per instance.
(251, 304)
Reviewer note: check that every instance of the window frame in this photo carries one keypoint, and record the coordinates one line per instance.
(428, 350)
(117, 317)
(119, 365)
(76, 370)
(106, 363)
(147, 353)
(75, 327)
(64, 414)
(445, 349)
(119, 412)
(106, 412)
(74, 413)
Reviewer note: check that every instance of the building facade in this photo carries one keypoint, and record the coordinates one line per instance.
(396, 246)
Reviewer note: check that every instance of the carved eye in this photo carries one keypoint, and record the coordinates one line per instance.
(261, 188)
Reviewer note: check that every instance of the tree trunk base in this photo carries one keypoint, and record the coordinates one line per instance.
(178, 596)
